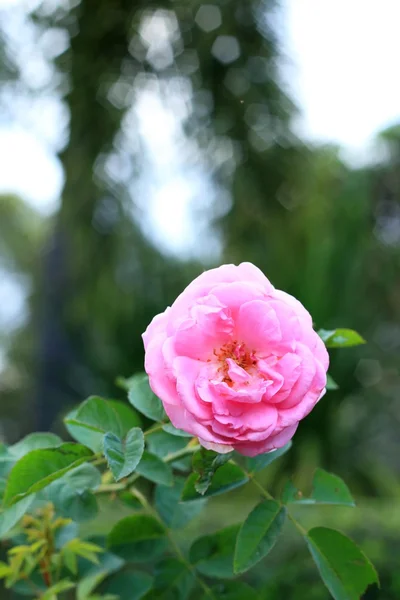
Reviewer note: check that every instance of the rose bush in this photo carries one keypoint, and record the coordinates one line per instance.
(235, 361)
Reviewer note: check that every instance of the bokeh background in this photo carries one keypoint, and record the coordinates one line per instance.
(144, 141)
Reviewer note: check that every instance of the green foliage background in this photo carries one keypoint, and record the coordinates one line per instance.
(94, 278)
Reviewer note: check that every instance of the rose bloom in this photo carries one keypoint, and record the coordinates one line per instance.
(235, 361)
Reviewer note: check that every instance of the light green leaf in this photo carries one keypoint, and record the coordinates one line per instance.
(34, 441)
(138, 538)
(228, 477)
(331, 383)
(233, 590)
(39, 468)
(263, 460)
(59, 587)
(153, 468)
(5, 570)
(174, 513)
(340, 338)
(92, 420)
(142, 398)
(123, 457)
(10, 516)
(212, 554)
(258, 534)
(169, 428)
(205, 463)
(343, 567)
(330, 489)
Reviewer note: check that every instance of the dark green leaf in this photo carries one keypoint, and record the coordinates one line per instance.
(169, 428)
(258, 534)
(153, 468)
(123, 457)
(233, 590)
(172, 580)
(340, 338)
(213, 554)
(142, 398)
(330, 383)
(228, 477)
(161, 444)
(11, 516)
(174, 513)
(263, 460)
(205, 463)
(344, 568)
(128, 585)
(39, 468)
(330, 489)
(95, 416)
(138, 537)
(291, 494)
(327, 489)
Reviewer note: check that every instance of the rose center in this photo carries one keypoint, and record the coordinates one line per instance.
(238, 352)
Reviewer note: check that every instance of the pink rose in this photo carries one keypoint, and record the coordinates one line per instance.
(235, 361)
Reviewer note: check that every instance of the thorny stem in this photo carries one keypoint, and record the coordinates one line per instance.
(178, 552)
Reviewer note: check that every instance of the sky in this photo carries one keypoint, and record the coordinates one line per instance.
(342, 69)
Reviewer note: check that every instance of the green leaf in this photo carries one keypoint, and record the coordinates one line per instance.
(205, 463)
(83, 435)
(172, 580)
(340, 338)
(213, 554)
(57, 588)
(88, 584)
(169, 428)
(258, 534)
(39, 468)
(11, 516)
(327, 489)
(291, 495)
(128, 585)
(123, 457)
(343, 567)
(69, 502)
(92, 420)
(330, 489)
(153, 468)
(82, 478)
(233, 590)
(138, 538)
(228, 477)
(71, 494)
(5, 570)
(161, 443)
(263, 460)
(331, 383)
(128, 417)
(142, 398)
(174, 513)
(34, 441)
